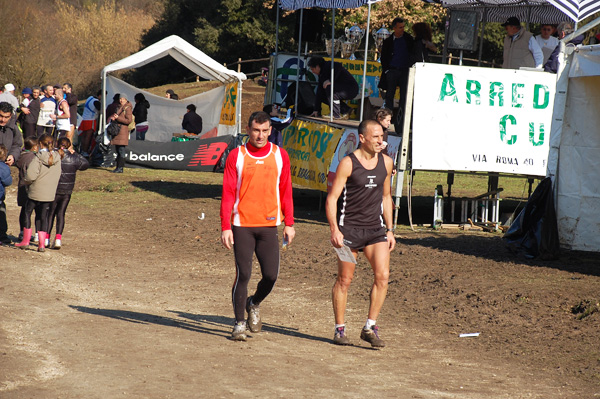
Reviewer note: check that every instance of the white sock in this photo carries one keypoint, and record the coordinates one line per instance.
(339, 325)
(370, 323)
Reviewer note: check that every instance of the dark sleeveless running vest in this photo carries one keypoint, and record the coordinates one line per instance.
(362, 199)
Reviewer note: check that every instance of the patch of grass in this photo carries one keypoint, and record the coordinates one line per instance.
(522, 299)
(112, 187)
(468, 185)
(585, 308)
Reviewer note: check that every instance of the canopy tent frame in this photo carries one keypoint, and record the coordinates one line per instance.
(332, 4)
(187, 55)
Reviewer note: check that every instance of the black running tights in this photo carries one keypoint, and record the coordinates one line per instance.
(42, 210)
(58, 210)
(264, 242)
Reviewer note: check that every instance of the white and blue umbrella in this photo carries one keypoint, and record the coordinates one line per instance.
(577, 10)
(298, 4)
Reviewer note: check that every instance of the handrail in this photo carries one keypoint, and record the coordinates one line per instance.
(239, 62)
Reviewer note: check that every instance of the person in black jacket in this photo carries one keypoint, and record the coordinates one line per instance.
(140, 113)
(345, 87)
(423, 44)
(397, 56)
(71, 162)
(10, 135)
(192, 122)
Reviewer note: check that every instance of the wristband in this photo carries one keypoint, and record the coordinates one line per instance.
(391, 230)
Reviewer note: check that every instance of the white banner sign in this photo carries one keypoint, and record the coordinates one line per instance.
(482, 119)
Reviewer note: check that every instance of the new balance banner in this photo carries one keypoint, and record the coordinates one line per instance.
(482, 119)
(198, 155)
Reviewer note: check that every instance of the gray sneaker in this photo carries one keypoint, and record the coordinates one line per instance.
(340, 337)
(239, 332)
(372, 337)
(254, 322)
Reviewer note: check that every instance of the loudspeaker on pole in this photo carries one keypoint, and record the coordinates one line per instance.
(463, 30)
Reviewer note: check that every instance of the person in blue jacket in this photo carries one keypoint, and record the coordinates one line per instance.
(564, 29)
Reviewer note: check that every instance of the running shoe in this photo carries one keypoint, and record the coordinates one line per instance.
(57, 243)
(340, 337)
(372, 337)
(239, 332)
(254, 322)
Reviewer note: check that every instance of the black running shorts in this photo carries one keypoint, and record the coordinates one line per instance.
(358, 238)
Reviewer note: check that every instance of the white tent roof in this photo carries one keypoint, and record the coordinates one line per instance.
(197, 62)
(186, 54)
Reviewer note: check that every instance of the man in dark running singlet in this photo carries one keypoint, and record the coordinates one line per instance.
(365, 223)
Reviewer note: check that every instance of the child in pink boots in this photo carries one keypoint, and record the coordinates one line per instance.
(43, 173)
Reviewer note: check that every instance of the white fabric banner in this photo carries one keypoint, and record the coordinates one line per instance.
(481, 119)
(165, 115)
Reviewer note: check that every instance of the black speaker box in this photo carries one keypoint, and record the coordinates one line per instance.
(306, 98)
(312, 25)
(462, 34)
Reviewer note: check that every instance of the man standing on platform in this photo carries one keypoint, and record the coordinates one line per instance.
(257, 197)
(520, 47)
(397, 56)
(364, 224)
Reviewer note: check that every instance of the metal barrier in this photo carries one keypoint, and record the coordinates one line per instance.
(483, 210)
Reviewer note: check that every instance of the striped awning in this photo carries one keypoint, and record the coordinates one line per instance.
(298, 4)
(577, 10)
(531, 11)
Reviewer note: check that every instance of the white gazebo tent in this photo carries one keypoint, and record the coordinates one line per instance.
(165, 115)
(573, 161)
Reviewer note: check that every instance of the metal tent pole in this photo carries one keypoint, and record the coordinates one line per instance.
(239, 108)
(273, 78)
(364, 78)
(298, 65)
(332, 61)
(277, 29)
(484, 19)
(103, 102)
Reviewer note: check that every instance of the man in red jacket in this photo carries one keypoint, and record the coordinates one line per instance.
(257, 197)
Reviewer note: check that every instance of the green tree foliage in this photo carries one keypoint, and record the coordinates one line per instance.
(383, 13)
(53, 42)
(223, 29)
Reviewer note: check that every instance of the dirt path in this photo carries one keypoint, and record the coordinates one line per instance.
(141, 308)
